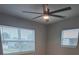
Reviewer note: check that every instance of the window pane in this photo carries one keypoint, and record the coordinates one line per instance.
(28, 35)
(10, 33)
(28, 39)
(9, 39)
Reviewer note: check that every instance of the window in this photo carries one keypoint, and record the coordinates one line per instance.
(69, 38)
(17, 39)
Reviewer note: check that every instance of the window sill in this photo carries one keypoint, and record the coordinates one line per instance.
(21, 53)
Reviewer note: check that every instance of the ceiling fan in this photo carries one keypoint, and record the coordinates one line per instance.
(46, 12)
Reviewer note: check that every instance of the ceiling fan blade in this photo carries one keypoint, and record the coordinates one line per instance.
(61, 10)
(37, 17)
(31, 12)
(58, 16)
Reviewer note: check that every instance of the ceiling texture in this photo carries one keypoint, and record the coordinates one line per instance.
(16, 10)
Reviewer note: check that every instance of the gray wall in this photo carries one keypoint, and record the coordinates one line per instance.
(41, 29)
(54, 35)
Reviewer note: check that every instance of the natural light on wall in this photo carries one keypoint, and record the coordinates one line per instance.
(17, 39)
(69, 38)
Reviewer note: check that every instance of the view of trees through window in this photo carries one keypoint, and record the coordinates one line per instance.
(17, 39)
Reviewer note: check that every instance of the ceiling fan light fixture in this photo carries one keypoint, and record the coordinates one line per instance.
(45, 17)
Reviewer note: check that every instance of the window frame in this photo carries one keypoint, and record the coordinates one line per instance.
(65, 46)
(21, 52)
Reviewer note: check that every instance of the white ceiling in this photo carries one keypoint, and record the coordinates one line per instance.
(16, 10)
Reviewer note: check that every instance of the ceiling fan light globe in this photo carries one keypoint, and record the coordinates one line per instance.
(45, 17)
